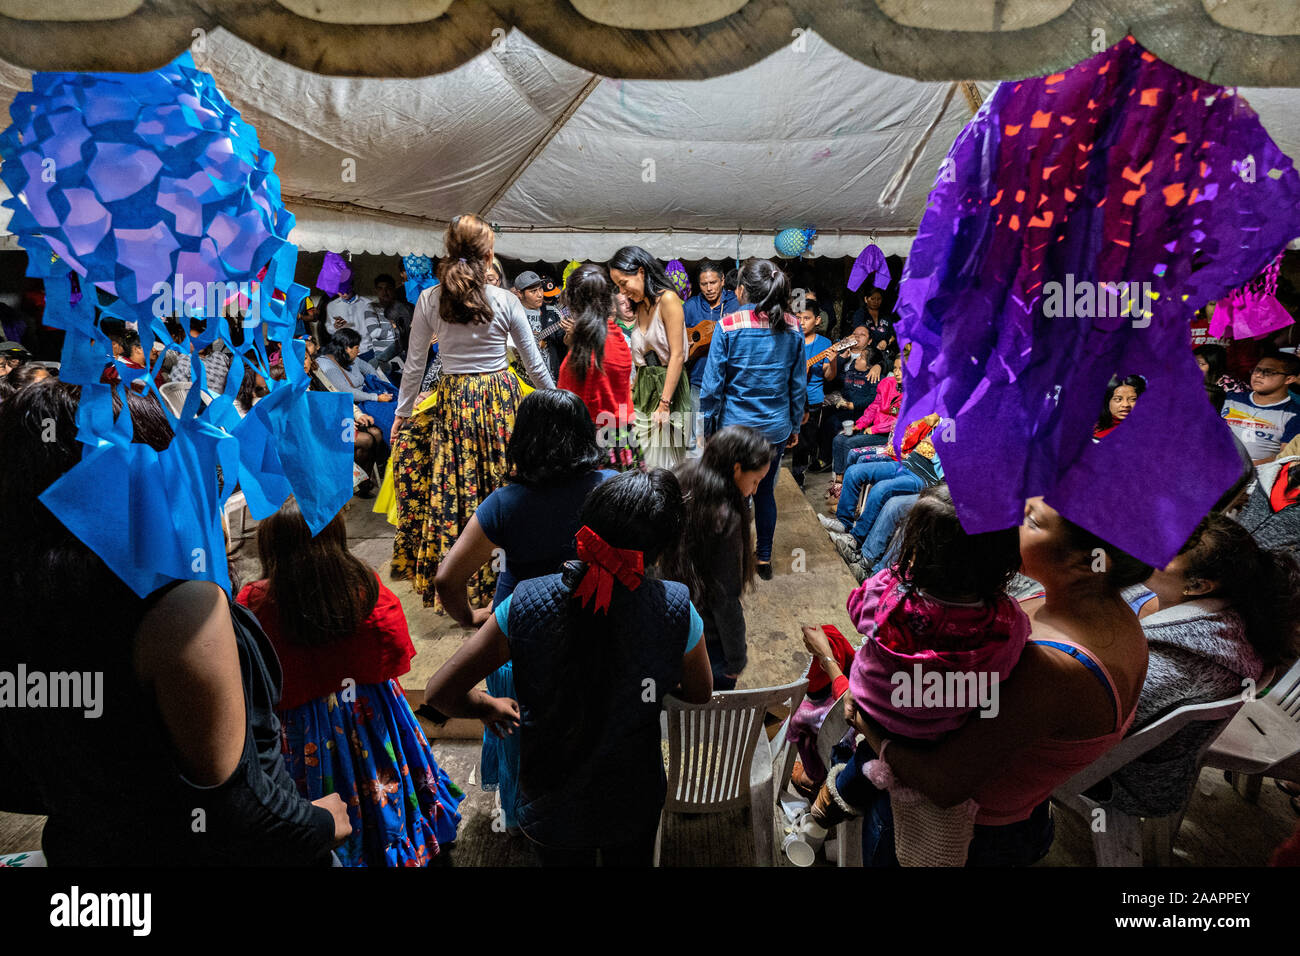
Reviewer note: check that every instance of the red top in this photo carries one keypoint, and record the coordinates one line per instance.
(1280, 497)
(381, 648)
(609, 388)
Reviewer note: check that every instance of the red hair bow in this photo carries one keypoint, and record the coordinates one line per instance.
(604, 564)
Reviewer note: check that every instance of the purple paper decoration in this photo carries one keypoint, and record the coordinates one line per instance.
(1119, 185)
(335, 275)
(870, 262)
(151, 192)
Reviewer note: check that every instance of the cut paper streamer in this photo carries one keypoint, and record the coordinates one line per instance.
(141, 197)
(870, 262)
(1119, 182)
(1252, 310)
(419, 276)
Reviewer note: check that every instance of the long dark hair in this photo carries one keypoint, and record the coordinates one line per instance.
(322, 592)
(767, 290)
(46, 573)
(589, 296)
(1135, 382)
(1262, 586)
(634, 510)
(462, 273)
(713, 506)
(249, 391)
(1122, 570)
(554, 439)
(936, 554)
(1216, 360)
(630, 258)
(338, 346)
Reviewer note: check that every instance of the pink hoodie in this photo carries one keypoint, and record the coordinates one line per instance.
(881, 414)
(927, 664)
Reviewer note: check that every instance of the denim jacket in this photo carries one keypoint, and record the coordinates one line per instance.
(755, 376)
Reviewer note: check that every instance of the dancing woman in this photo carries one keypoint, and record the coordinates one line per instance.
(450, 457)
(662, 394)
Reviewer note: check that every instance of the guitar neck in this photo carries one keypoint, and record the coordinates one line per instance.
(837, 347)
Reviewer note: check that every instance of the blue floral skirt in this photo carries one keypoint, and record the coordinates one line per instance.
(373, 754)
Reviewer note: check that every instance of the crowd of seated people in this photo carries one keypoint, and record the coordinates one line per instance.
(609, 580)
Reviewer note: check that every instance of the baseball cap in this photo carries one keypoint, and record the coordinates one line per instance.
(14, 350)
(549, 289)
(526, 280)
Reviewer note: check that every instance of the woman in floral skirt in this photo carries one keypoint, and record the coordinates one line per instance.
(455, 453)
(346, 726)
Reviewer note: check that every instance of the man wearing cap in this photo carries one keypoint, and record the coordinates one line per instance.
(533, 291)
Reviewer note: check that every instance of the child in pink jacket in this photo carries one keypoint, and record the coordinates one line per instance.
(941, 637)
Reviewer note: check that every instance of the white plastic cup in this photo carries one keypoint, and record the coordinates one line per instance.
(848, 427)
(797, 851)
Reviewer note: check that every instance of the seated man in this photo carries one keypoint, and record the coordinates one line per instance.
(1268, 416)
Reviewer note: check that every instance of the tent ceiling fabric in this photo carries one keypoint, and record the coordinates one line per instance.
(805, 138)
(1231, 42)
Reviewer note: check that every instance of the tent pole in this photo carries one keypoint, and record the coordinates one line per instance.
(549, 135)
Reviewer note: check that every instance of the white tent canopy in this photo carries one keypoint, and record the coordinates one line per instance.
(571, 165)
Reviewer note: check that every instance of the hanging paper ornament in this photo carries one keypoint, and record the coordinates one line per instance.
(794, 242)
(1121, 171)
(870, 262)
(678, 276)
(1252, 310)
(419, 276)
(568, 271)
(153, 191)
(335, 275)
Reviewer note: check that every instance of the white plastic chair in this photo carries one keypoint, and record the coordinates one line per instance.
(1119, 842)
(720, 758)
(1263, 740)
(848, 835)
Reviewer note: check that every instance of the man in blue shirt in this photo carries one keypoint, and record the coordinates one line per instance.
(713, 302)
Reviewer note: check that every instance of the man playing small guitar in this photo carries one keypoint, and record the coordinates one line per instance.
(702, 313)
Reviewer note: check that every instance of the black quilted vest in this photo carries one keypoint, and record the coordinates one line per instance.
(616, 788)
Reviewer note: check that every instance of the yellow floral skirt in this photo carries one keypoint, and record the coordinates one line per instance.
(446, 461)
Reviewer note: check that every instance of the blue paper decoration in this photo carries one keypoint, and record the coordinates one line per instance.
(156, 196)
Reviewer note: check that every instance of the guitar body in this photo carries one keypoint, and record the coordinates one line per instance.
(698, 338)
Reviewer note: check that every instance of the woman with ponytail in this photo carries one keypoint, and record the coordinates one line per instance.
(715, 555)
(756, 377)
(662, 393)
(598, 365)
(450, 457)
(1225, 610)
(594, 649)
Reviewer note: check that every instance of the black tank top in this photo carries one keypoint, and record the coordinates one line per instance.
(111, 786)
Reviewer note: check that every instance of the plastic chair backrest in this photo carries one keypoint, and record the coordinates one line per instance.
(1149, 737)
(711, 746)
